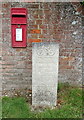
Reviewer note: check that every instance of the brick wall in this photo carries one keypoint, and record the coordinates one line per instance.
(0, 49)
(47, 22)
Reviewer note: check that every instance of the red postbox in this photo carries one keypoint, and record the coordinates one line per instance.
(18, 27)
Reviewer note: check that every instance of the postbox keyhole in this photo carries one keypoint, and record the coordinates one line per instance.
(18, 26)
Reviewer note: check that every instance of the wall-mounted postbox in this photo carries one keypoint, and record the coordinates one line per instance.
(18, 27)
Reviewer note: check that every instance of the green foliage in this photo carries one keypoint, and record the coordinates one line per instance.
(0, 108)
(63, 86)
(69, 105)
(15, 108)
(82, 3)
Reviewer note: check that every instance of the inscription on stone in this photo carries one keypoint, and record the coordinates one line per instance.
(44, 73)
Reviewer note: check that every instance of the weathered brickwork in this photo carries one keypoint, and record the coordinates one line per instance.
(47, 22)
(0, 50)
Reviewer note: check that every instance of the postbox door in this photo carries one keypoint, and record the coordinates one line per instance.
(19, 35)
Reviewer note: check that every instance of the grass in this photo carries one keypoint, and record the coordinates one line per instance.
(69, 105)
(0, 108)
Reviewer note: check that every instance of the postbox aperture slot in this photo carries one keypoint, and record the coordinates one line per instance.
(18, 15)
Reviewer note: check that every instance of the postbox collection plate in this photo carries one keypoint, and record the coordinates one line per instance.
(18, 34)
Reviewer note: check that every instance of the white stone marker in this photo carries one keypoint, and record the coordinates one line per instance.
(44, 73)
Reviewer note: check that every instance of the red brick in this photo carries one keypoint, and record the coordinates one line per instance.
(34, 35)
(47, 12)
(29, 1)
(83, 10)
(6, 15)
(39, 12)
(34, 40)
(18, 49)
(58, 36)
(35, 31)
(79, 9)
(41, 16)
(35, 16)
(66, 67)
(33, 26)
(41, 36)
(56, 40)
(45, 6)
(43, 26)
(32, 6)
(67, 59)
(75, 3)
(38, 21)
(6, 5)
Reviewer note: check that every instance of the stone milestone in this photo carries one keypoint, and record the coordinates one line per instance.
(44, 73)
